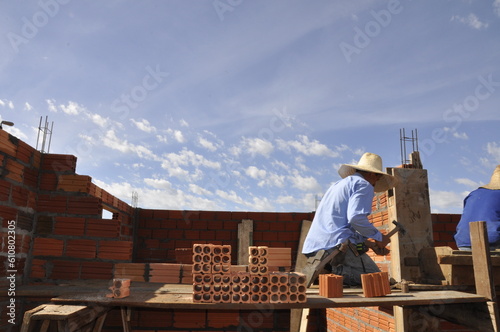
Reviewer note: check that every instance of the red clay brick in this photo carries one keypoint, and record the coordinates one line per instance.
(65, 270)
(47, 247)
(255, 216)
(277, 226)
(238, 216)
(97, 270)
(231, 224)
(161, 234)
(223, 235)
(81, 248)
(69, 226)
(161, 214)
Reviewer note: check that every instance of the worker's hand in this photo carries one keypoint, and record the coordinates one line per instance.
(385, 241)
(379, 247)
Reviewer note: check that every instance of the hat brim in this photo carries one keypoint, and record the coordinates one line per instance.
(492, 186)
(385, 183)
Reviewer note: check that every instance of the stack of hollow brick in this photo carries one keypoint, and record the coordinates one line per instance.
(214, 281)
(375, 284)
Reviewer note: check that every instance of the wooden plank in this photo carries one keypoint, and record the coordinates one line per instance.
(304, 320)
(57, 312)
(100, 322)
(456, 259)
(482, 260)
(27, 324)
(301, 260)
(184, 300)
(125, 314)
(245, 240)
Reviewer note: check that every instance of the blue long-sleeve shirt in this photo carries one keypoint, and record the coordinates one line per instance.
(342, 215)
(480, 205)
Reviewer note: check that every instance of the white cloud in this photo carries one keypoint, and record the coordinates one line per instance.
(496, 7)
(188, 157)
(266, 178)
(158, 198)
(177, 135)
(260, 204)
(98, 120)
(207, 144)
(162, 139)
(72, 108)
(112, 141)
(307, 202)
(458, 135)
(27, 107)
(494, 150)
(230, 196)
(51, 105)
(471, 20)
(305, 183)
(467, 182)
(183, 123)
(257, 146)
(446, 200)
(307, 147)
(158, 184)
(7, 103)
(144, 125)
(255, 173)
(197, 190)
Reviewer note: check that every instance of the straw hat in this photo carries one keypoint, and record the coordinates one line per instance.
(495, 180)
(370, 162)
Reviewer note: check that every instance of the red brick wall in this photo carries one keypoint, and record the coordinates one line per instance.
(54, 216)
(444, 227)
(159, 232)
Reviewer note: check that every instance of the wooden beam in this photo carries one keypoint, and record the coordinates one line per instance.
(300, 262)
(482, 260)
(485, 285)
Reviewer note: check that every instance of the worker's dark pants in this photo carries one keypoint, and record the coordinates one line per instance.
(354, 266)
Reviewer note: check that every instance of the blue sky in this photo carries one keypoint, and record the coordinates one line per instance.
(253, 105)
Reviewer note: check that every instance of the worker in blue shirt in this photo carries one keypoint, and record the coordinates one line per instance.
(482, 204)
(340, 226)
